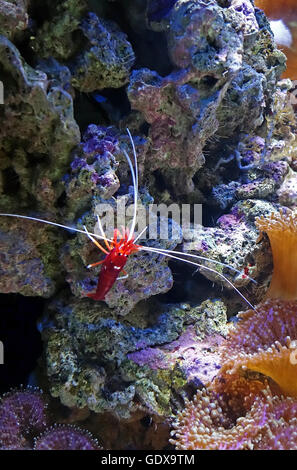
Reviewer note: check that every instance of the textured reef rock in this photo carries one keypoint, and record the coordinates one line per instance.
(148, 273)
(38, 132)
(105, 60)
(281, 142)
(108, 62)
(266, 161)
(197, 84)
(95, 361)
(58, 75)
(177, 138)
(287, 192)
(219, 85)
(13, 17)
(258, 183)
(233, 242)
(33, 249)
(93, 168)
(57, 36)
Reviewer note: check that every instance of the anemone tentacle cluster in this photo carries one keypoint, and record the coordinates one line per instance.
(263, 341)
(61, 437)
(252, 402)
(25, 424)
(270, 423)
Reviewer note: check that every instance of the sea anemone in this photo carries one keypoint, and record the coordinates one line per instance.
(24, 420)
(61, 437)
(239, 410)
(264, 342)
(23, 414)
(281, 229)
(205, 423)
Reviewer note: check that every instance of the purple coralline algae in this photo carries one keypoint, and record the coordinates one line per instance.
(93, 169)
(197, 359)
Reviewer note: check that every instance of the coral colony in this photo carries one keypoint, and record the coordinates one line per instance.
(136, 340)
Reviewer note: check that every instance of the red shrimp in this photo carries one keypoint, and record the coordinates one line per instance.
(123, 245)
(113, 263)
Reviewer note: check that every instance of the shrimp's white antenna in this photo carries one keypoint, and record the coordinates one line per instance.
(201, 266)
(139, 235)
(204, 258)
(135, 196)
(56, 225)
(135, 158)
(134, 174)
